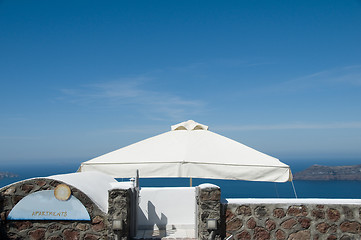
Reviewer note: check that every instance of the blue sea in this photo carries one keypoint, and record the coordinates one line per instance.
(229, 188)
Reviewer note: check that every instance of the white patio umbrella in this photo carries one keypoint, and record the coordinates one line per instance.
(190, 150)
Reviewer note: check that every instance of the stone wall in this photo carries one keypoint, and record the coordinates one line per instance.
(120, 208)
(287, 221)
(98, 228)
(244, 219)
(208, 207)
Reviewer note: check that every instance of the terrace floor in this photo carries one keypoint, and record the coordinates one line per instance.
(185, 234)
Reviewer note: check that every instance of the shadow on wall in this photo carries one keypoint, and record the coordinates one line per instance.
(148, 222)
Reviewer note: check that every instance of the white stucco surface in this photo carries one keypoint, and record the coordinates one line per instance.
(167, 207)
(121, 185)
(94, 184)
(208, 185)
(292, 201)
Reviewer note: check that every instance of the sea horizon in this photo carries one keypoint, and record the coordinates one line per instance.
(229, 188)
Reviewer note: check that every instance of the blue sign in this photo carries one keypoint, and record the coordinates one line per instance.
(43, 205)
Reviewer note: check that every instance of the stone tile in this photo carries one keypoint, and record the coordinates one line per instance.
(148, 234)
(140, 234)
(191, 233)
(179, 234)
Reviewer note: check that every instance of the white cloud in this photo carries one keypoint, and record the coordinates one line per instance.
(349, 75)
(132, 92)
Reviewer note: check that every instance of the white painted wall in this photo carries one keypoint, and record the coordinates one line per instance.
(94, 184)
(168, 207)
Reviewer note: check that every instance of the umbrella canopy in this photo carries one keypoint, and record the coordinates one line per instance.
(190, 150)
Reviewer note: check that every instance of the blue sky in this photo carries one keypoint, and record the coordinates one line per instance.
(82, 78)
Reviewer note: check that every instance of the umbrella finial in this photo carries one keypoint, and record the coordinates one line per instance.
(189, 125)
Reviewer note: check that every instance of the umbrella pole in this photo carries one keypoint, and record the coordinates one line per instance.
(190, 182)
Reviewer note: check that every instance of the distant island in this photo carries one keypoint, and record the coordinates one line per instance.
(327, 173)
(7, 175)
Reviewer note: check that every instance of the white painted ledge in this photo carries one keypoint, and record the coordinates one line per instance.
(207, 185)
(292, 201)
